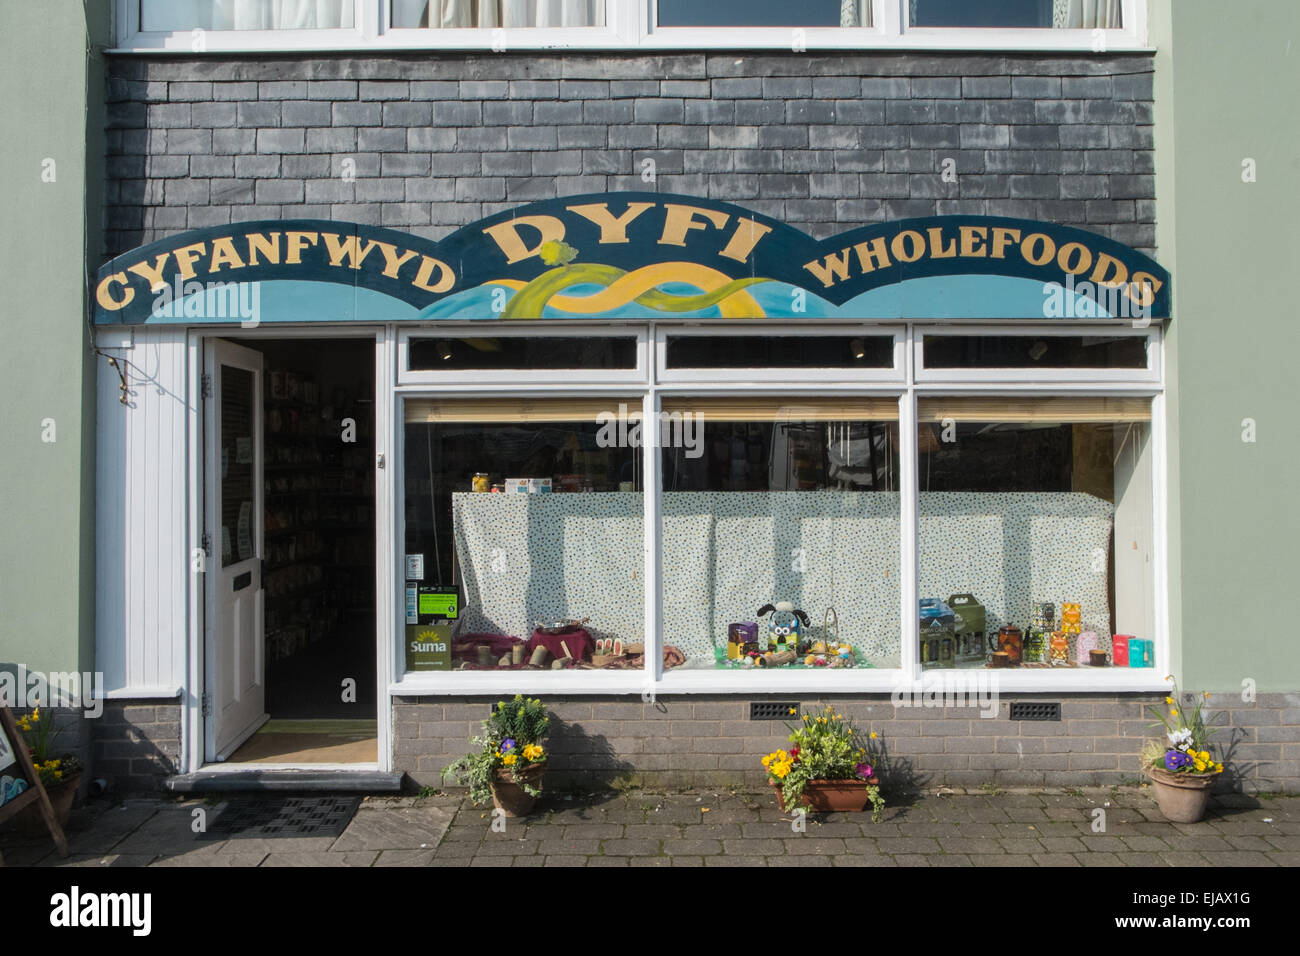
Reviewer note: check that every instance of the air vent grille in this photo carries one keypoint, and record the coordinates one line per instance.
(1036, 710)
(772, 709)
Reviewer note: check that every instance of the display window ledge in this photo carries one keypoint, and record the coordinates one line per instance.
(1079, 680)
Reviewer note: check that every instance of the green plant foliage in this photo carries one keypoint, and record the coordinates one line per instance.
(510, 741)
(827, 747)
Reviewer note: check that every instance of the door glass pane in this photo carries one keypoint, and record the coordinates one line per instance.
(164, 16)
(528, 514)
(237, 451)
(1035, 532)
(781, 533)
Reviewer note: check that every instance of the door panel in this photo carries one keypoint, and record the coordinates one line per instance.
(234, 652)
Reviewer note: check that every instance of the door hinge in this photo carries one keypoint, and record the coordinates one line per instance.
(205, 386)
(206, 543)
(206, 705)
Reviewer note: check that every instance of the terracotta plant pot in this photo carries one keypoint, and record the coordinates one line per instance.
(829, 796)
(1182, 797)
(510, 797)
(29, 820)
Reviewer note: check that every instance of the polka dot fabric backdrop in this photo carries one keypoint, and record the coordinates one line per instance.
(527, 558)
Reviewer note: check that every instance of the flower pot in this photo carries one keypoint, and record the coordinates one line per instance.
(826, 796)
(1182, 797)
(510, 797)
(29, 820)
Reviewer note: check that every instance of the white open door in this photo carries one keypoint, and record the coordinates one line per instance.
(235, 683)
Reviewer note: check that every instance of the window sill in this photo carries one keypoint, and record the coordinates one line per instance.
(982, 681)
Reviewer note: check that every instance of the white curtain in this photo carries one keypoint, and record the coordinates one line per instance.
(855, 13)
(1087, 14)
(169, 15)
(487, 14)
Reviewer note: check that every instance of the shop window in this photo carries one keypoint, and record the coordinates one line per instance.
(779, 351)
(1035, 532)
(520, 353)
(490, 14)
(780, 533)
(524, 535)
(1047, 14)
(764, 13)
(1035, 352)
(163, 16)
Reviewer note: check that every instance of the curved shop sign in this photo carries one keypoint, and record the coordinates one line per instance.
(630, 256)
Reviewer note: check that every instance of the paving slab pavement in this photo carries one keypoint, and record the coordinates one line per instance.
(1096, 827)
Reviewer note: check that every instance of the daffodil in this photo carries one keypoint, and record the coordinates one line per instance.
(793, 710)
(873, 735)
(1173, 712)
(1169, 700)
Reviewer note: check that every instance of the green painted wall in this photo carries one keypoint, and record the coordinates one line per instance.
(1228, 82)
(46, 370)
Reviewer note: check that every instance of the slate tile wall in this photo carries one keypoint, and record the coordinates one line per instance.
(824, 141)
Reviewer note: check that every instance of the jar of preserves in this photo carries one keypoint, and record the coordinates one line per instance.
(1011, 643)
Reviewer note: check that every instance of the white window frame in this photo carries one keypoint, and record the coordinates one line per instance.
(1152, 374)
(630, 25)
(895, 373)
(518, 378)
(907, 388)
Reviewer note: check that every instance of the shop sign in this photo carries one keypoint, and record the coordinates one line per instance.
(634, 256)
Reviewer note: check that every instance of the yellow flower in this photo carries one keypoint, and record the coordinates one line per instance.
(532, 751)
(1169, 700)
(1218, 768)
(1173, 712)
(793, 710)
(509, 759)
(58, 775)
(873, 735)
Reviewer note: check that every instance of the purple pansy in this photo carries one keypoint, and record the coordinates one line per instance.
(507, 744)
(1176, 760)
(865, 771)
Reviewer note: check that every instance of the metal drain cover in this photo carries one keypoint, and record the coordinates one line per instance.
(285, 816)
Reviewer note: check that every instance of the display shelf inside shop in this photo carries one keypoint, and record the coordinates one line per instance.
(319, 519)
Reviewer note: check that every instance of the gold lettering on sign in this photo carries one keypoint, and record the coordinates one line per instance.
(872, 255)
(679, 220)
(937, 249)
(349, 247)
(506, 236)
(834, 268)
(1042, 258)
(744, 239)
(613, 229)
(1116, 279)
(185, 257)
(392, 261)
(152, 274)
(970, 247)
(297, 242)
(1081, 262)
(104, 295)
(1003, 237)
(900, 243)
(269, 248)
(446, 277)
(224, 254)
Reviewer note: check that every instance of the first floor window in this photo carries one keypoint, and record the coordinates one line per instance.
(1057, 14)
(164, 16)
(764, 13)
(489, 14)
